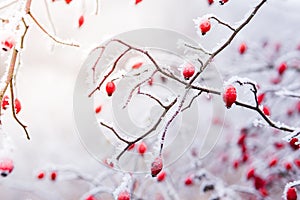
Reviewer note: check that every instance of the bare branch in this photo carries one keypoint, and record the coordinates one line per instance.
(154, 127)
(152, 97)
(171, 120)
(223, 23)
(14, 111)
(135, 87)
(197, 48)
(191, 102)
(48, 34)
(115, 132)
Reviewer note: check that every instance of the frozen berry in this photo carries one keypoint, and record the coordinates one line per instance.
(229, 96)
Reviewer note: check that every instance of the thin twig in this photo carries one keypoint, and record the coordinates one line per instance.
(152, 97)
(135, 87)
(154, 127)
(171, 120)
(50, 17)
(97, 7)
(14, 111)
(192, 100)
(48, 34)
(8, 4)
(115, 132)
(223, 23)
(197, 48)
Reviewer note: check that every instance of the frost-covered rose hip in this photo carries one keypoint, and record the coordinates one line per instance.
(156, 166)
(229, 96)
(204, 26)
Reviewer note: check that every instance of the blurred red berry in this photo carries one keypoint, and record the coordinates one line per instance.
(242, 48)
(6, 166)
(90, 197)
(131, 147)
(281, 68)
(142, 148)
(288, 166)
(260, 98)
(53, 176)
(251, 173)
(41, 175)
(137, 65)
(137, 1)
(291, 194)
(210, 2)
(266, 110)
(80, 21)
(273, 162)
(98, 109)
(161, 176)
(124, 195)
(189, 180)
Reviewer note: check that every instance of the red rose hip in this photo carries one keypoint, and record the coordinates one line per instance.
(229, 96)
